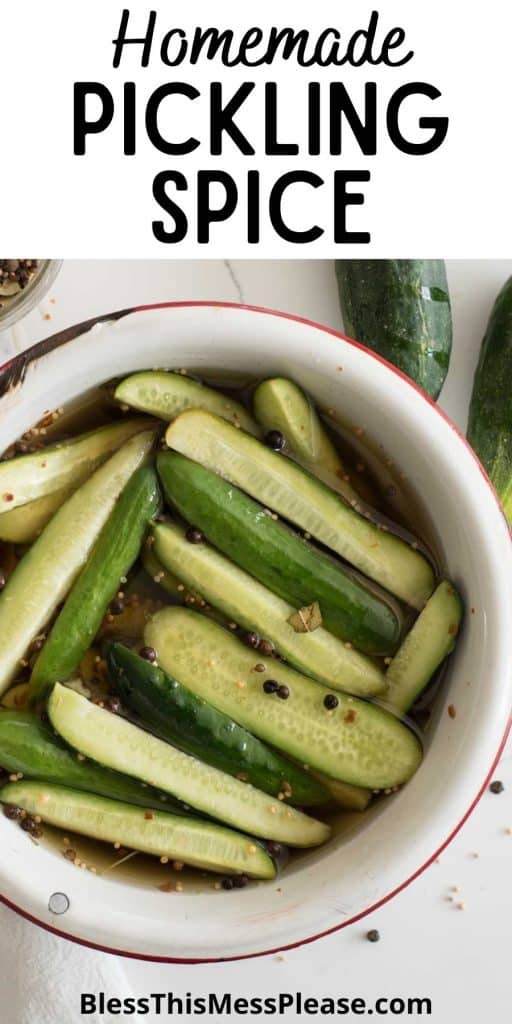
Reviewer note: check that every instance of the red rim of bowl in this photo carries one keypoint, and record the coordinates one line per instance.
(31, 354)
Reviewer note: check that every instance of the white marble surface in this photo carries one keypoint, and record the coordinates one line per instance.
(429, 947)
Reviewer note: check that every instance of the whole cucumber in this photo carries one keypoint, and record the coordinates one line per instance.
(490, 413)
(112, 557)
(401, 310)
(195, 726)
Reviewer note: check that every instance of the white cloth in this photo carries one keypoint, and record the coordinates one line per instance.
(42, 976)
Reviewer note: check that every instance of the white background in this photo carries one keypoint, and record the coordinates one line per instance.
(460, 959)
(456, 201)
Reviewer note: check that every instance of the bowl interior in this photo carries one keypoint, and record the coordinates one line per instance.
(329, 887)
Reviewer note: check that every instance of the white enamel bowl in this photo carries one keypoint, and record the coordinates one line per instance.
(333, 886)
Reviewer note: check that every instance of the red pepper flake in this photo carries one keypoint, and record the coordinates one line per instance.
(8, 496)
(350, 715)
(452, 710)
(148, 815)
(166, 887)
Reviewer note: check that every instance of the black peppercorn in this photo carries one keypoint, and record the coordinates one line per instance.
(274, 849)
(193, 535)
(148, 653)
(240, 881)
(496, 787)
(266, 647)
(270, 686)
(283, 692)
(275, 439)
(251, 639)
(330, 702)
(117, 606)
(227, 883)
(373, 935)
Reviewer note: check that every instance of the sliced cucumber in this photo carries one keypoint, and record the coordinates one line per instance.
(166, 395)
(159, 574)
(195, 726)
(116, 743)
(24, 524)
(44, 575)
(250, 604)
(279, 404)
(351, 798)
(428, 643)
(66, 464)
(201, 844)
(357, 742)
(113, 555)
(28, 746)
(279, 558)
(305, 501)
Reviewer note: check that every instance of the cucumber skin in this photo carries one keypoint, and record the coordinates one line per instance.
(401, 310)
(341, 748)
(112, 557)
(159, 834)
(280, 559)
(29, 746)
(490, 413)
(193, 725)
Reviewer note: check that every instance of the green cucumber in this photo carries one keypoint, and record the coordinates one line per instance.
(24, 524)
(490, 413)
(28, 746)
(246, 601)
(427, 644)
(358, 742)
(195, 726)
(116, 743)
(306, 502)
(200, 844)
(401, 310)
(65, 464)
(46, 572)
(279, 404)
(280, 559)
(166, 395)
(117, 547)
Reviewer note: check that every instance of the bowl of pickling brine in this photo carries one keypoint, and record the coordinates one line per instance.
(255, 610)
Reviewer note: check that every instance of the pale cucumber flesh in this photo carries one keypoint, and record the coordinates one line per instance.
(198, 843)
(358, 742)
(167, 394)
(252, 605)
(46, 572)
(285, 487)
(116, 743)
(427, 644)
(24, 524)
(66, 464)
(279, 404)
